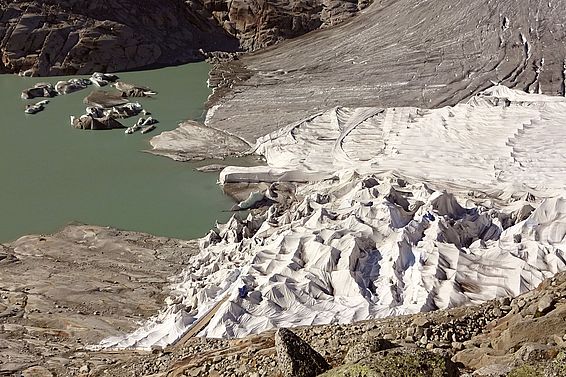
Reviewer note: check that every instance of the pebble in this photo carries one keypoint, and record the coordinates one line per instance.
(84, 369)
(458, 346)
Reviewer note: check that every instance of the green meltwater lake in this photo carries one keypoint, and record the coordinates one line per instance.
(52, 174)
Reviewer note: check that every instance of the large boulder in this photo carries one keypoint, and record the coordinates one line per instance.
(295, 357)
(88, 122)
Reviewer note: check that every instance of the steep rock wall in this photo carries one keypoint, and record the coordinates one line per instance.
(78, 36)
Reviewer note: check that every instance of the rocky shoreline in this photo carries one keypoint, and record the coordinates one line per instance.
(60, 293)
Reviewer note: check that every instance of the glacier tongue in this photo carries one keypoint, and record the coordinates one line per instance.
(501, 139)
(395, 211)
(360, 248)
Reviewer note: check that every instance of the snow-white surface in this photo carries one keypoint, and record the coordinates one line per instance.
(426, 209)
(501, 138)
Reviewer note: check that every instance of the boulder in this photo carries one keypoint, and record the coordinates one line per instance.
(39, 90)
(88, 122)
(545, 304)
(493, 370)
(104, 99)
(295, 357)
(36, 371)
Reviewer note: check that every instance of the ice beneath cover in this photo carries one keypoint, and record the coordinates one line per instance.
(500, 138)
(408, 210)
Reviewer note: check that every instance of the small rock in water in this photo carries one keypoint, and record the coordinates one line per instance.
(149, 121)
(102, 79)
(35, 108)
(88, 122)
(71, 86)
(39, 90)
(211, 168)
(130, 90)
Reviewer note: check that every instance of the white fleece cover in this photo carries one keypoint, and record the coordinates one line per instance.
(427, 209)
(501, 138)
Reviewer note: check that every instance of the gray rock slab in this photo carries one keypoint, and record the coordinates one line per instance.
(193, 141)
(65, 291)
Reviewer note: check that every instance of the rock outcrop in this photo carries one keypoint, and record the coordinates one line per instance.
(192, 141)
(80, 36)
(68, 37)
(61, 292)
(261, 23)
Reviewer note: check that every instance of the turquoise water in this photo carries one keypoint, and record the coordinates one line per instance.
(52, 174)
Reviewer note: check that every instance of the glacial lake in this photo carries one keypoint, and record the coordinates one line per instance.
(52, 174)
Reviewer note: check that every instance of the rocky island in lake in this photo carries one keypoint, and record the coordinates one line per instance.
(395, 172)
